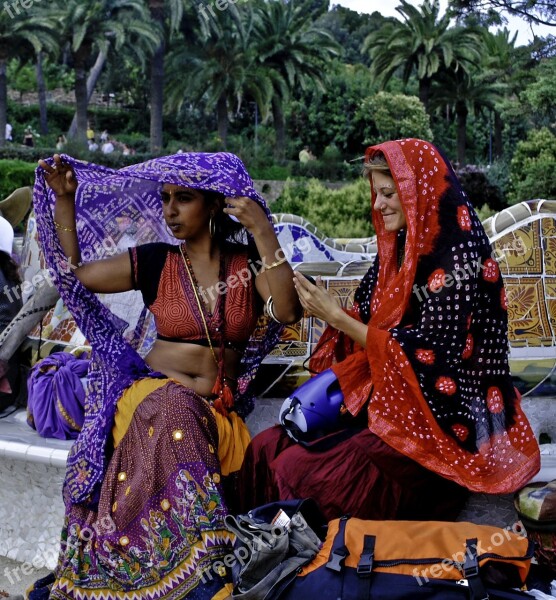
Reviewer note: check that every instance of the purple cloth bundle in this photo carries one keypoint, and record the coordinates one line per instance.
(56, 404)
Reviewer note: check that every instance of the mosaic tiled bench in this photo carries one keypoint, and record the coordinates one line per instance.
(524, 236)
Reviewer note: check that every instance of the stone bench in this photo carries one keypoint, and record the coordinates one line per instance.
(32, 468)
(32, 471)
(31, 508)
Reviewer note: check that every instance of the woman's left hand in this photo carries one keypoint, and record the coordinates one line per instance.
(315, 300)
(249, 214)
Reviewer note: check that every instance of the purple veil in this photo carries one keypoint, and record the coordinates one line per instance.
(116, 209)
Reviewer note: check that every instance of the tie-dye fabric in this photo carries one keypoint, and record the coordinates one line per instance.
(158, 530)
(106, 199)
(434, 376)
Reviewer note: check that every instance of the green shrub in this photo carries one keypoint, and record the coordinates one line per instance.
(533, 167)
(138, 142)
(116, 121)
(484, 212)
(386, 116)
(327, 170)
(343, 212)
(331, 154)
(498, 174)
(273, 172)
(23, 153)
(15, 174)
(21, 115)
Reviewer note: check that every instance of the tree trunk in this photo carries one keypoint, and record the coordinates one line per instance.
(94, 74)
(222, 116)
(461, 123)
(157, 81)
(81, 101)
(279, 128)
(425, 91)
(41, 89)
(3, 100)
(498, 127)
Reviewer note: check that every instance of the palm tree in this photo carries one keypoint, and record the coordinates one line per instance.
(294, 53)
(158, 10)
(220, 66)
(423, 43)
(499, 58)
(20, 32)
(41, 91)
(92, 27)
(465, 93)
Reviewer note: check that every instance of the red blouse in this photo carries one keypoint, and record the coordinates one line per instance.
(159, 273)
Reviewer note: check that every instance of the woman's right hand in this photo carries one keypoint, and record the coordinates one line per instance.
(316, 301)
(60, 177)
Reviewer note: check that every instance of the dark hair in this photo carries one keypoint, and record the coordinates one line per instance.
(226, 229)
(9, 267)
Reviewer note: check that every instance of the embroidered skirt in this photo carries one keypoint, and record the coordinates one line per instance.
(159, 531)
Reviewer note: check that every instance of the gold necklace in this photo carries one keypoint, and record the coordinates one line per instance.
(194, 286)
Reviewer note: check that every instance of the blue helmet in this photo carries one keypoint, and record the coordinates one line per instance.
(314, 409)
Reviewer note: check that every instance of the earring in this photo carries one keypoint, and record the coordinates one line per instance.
(212, 226)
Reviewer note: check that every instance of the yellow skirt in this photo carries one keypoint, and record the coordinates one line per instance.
(233, 435)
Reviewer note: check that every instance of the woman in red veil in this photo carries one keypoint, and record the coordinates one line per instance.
(423, 352)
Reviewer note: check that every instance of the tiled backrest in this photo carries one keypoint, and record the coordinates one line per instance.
(526, 253)
(524, 243)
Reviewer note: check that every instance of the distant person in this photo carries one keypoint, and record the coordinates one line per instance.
(92, 145)
(9, 129)
(28, 138)
(61, 142)
(306, 155)
(90, 133)
(104, 136)
(107, 147)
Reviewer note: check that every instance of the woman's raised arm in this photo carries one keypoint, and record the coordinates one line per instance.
(109, 275)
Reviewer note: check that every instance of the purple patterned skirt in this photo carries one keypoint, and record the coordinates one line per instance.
(158, 532)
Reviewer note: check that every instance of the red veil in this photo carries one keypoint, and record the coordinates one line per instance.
(435, 375)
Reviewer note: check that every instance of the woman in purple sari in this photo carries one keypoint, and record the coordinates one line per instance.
(145, 479)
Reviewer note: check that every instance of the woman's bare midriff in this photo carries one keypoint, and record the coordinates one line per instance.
(191, 364)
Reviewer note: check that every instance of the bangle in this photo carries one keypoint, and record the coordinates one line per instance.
(270, 310)
(275, 264)
(64, 228)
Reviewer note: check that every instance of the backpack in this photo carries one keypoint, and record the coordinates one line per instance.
(56, 402)
(396, 560)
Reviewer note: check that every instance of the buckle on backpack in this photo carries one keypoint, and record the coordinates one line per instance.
(365, 564)
(337, 557)
(471, 563)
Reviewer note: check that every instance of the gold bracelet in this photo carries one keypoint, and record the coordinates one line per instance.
(64, 228)
(275, 264)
